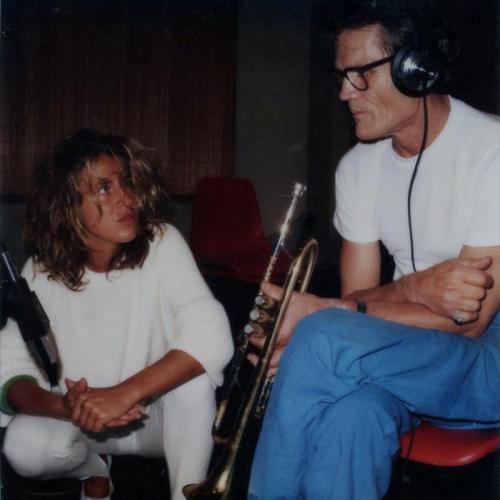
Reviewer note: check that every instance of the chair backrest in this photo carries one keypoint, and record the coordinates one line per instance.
(226, 218)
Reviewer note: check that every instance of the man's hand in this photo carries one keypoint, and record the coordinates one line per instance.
(95, 409)
(454, 285)
(300, 306)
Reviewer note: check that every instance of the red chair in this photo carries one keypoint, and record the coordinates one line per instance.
(448, 447)
(227, 237)
(448, 464)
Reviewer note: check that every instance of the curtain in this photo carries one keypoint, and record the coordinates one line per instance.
(159, 71)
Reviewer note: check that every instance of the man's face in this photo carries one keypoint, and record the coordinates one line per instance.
(380, 110)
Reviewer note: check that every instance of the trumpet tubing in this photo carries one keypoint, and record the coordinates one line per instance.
(233, 467)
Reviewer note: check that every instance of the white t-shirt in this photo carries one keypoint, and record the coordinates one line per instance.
(455, 199)
(123, 322)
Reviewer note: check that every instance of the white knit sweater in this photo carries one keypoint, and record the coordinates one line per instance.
(123, 322)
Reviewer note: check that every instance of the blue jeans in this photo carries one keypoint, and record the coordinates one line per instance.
(349, 385)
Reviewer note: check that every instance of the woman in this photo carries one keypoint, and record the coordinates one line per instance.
(141, 339)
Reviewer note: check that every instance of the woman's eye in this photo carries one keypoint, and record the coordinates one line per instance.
(103, 189)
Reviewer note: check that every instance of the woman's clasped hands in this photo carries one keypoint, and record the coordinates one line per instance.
(95, 409)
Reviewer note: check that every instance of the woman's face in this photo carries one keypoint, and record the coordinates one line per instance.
(108, 211)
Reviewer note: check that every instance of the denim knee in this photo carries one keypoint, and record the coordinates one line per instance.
(310, 331)
(351, 445)
(325, 323)
(317, 334)
(371, 414)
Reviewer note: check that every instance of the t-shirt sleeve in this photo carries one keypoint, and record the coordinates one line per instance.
(484, 224)
(355, 215)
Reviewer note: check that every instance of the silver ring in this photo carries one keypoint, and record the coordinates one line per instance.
(459, 317)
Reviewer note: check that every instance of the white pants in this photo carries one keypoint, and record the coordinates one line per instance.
(178, 427)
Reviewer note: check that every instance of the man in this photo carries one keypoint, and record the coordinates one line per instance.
(361, 370)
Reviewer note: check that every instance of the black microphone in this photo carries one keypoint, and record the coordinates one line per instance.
(23, 305)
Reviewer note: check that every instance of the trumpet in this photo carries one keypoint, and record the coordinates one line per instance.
(229, 477)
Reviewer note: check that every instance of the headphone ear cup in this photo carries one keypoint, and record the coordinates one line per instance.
(414, 71)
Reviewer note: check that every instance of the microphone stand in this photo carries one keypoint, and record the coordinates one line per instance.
(22, 304)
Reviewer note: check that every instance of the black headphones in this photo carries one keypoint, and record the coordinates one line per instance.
(417, 67)
(415, 71)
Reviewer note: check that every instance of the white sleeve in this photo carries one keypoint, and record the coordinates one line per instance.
(355, 215)
(484, 225)
(201, 324)
(15, 358)
(15, 362)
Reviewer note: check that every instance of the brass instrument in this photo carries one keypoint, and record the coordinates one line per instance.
(229, 478)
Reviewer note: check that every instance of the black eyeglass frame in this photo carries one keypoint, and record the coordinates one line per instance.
(361, 70)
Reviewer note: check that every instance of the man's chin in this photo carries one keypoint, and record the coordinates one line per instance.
(368, 136)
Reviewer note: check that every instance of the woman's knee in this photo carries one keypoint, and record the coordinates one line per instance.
(24, 446)
(196, 395)
(30, 444)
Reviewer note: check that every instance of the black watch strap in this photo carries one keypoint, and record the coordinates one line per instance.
(361, 306)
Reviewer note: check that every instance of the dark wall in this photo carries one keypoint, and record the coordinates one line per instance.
(159, 71)
(477, 27)
(272, 101)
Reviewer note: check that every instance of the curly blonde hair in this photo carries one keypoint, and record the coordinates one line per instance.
(52, 229)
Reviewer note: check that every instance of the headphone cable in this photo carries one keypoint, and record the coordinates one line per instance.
(412, 180)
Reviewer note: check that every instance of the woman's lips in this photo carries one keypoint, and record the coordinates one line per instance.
(129, 218)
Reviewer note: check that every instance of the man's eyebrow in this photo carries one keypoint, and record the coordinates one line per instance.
(352, 66)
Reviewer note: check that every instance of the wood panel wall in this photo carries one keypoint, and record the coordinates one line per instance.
(159, 71)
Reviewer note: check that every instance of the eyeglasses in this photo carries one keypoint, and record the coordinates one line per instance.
(356, 74)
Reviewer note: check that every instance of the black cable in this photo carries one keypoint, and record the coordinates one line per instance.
(414, 174)
(422, 147)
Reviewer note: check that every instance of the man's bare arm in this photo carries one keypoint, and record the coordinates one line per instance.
(470, 284)
(456, 284)
(381, 301)
(359, 267)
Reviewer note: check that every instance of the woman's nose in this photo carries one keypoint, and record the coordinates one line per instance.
(126, 197)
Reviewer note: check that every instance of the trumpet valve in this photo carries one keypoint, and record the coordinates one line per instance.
(254, 329)
(260, 316)
(264, 301)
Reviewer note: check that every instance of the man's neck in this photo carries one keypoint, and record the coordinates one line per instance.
(409, 141)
